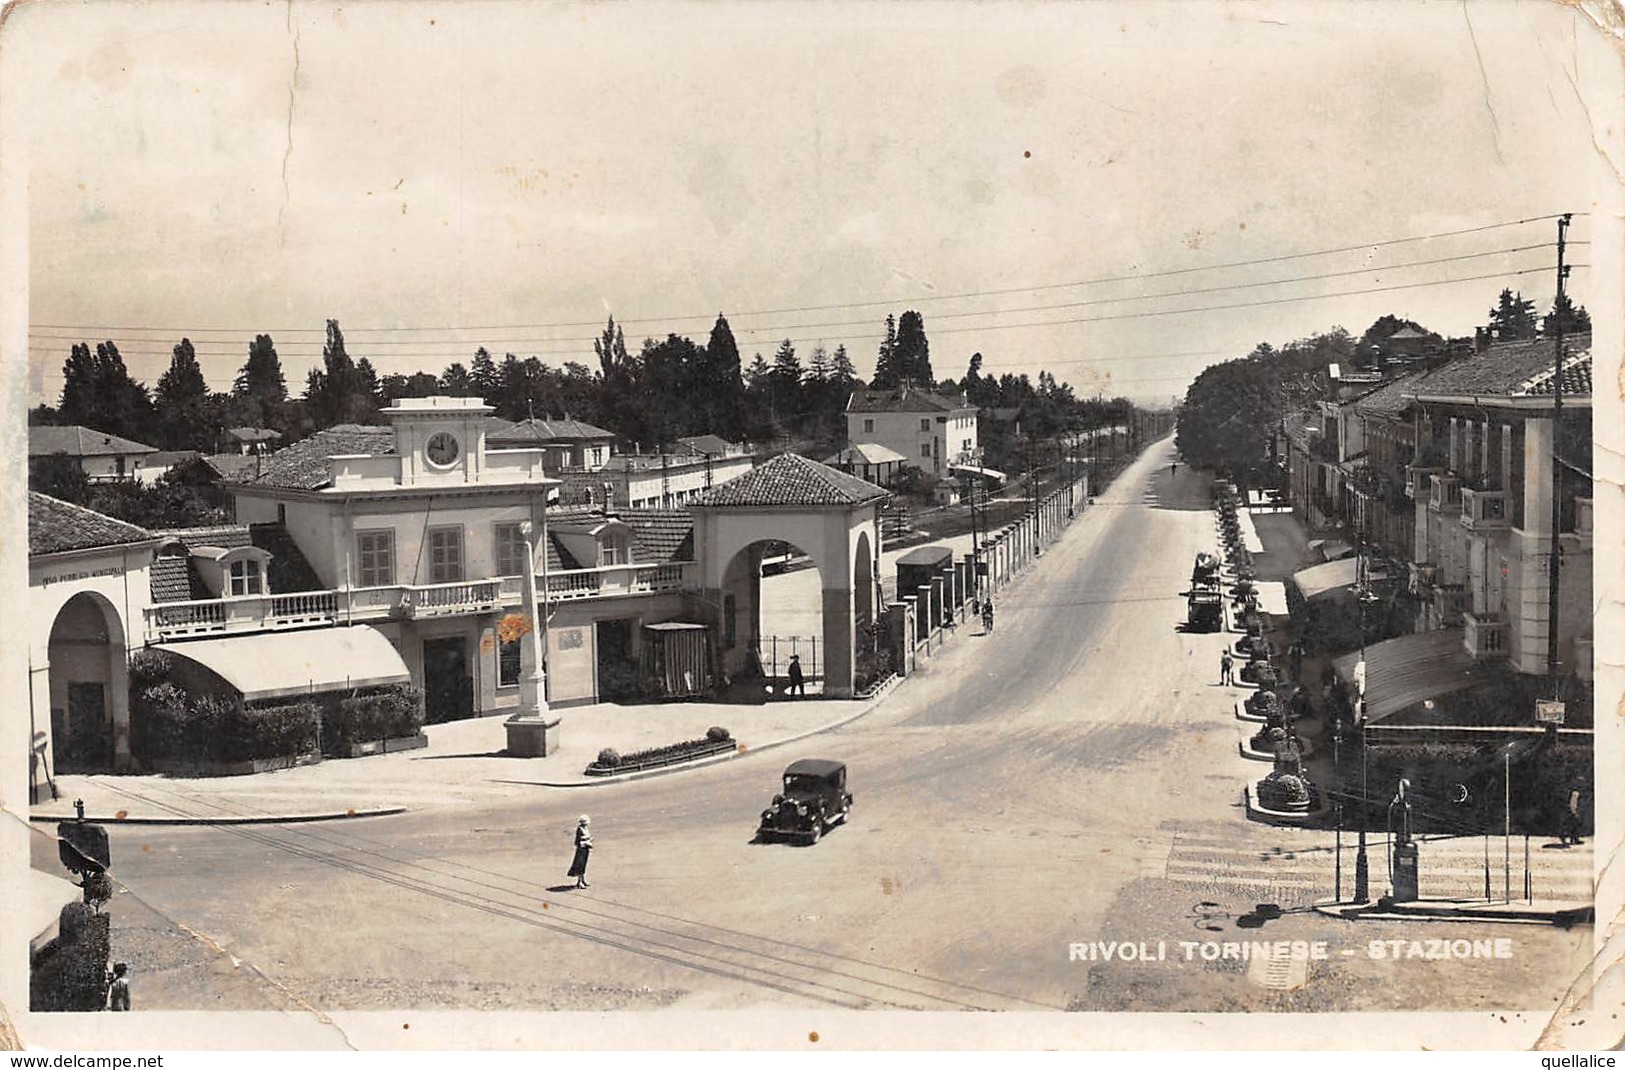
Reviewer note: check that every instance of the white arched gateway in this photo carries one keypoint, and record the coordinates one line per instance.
(832, 517)
(88, 588)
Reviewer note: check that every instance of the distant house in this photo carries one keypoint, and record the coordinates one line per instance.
(101, 456)
(869, 461)
(251, 439)
(931, 430)
(565, 443)
(155, 465)
(652, 481)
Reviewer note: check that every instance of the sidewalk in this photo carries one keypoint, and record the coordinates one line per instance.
(464, 763)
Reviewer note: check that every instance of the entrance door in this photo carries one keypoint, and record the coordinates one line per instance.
(617, 664)
(448, 689)
(88, 746)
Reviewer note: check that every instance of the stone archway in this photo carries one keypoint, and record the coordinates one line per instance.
(833, 517)
(89, 687)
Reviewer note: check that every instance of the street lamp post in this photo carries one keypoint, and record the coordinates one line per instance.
(533, 732)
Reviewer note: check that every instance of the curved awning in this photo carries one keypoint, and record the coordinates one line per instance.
(1324, 579)
(280, 664)
(1401, 672)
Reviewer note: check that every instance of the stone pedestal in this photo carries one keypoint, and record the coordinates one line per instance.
(532, 735)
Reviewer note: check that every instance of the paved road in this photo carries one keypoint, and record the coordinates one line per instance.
(1071, 777)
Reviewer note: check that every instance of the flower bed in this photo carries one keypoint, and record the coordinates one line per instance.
(609, 763)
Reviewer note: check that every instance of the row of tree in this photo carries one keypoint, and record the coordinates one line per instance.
(665, 389)
(1232, 409)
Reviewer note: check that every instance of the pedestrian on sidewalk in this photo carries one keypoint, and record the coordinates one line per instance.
(987, 616)
(1569, 830)
(1227, 666)
(118, 988)
(578, 865)
(798, 683)
(1295, 654)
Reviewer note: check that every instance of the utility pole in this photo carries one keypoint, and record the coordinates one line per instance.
(1557, 461)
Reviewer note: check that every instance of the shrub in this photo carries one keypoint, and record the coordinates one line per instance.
(716, 734)
(149, 668)
(388, 713)
(267, 732)
(609, 757)
(159, 724)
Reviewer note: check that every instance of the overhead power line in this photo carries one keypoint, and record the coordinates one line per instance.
(883, 302)
(744, 328)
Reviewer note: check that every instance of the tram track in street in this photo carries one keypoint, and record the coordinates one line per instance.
(764, 962)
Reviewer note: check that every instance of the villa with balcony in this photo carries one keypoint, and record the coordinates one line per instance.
(413, 530)
(1483, 531)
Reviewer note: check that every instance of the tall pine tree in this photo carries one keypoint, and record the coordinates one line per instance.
(260, 389)
(886, 371)
(911, 354)
(181, 400)
(721, 386)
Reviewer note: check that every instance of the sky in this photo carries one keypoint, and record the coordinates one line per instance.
(1047, 183)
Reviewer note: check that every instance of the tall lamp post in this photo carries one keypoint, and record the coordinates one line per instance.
(533, 732)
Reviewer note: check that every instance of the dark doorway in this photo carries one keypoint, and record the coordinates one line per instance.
(617, 665)
(448, 689)
(86, 745)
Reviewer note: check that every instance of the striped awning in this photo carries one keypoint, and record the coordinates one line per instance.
(1401, 672)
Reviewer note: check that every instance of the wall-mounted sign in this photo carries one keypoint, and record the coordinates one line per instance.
(1548, 712)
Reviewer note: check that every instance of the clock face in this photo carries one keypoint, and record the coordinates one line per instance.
(442, 449)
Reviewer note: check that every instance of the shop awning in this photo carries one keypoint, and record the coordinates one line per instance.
(1271, 597)
(1413, 668)
(986, 473)
(279, 664)
(1324, 579)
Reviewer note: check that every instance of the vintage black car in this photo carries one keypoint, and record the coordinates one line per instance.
(814, 798)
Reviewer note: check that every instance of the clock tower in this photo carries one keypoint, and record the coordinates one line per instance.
(440, 440)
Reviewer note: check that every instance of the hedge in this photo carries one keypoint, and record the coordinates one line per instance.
(167, 726)
(387, 713)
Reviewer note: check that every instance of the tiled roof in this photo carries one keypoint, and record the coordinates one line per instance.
(791, 479)
(225, 536)
(289, 569)
(660, 535)
(254, 434)
(706, 445)
(56, 526)
(234, 467)
(173, 579)
(1502, 370)
(304, 465)
(1576, 379)
(78, 441)
(1392, 398)
(169, 458)
(536, 431)
(902, 399)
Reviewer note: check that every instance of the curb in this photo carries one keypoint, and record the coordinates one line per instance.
(287, 819)
(873, 701)
(1467, 911)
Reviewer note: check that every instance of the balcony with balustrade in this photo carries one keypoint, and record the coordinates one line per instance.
(1419, 478)
(1444, 494)
(1485, 636)
(1483, 510)
(264, 613)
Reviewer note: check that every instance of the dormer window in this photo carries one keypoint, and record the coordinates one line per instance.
(246, 578)
(615, 550)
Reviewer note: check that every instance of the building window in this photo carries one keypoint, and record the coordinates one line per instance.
(245, 577)
(925, 425)
(510, 550)
(376, 549)
(868, 426)
(509, 661)
(445, 555)
(925, 449)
